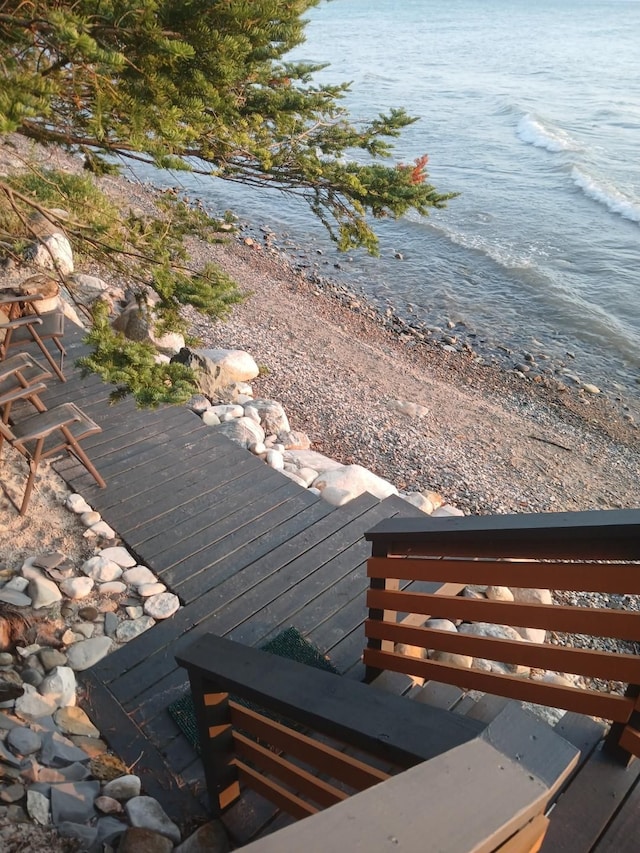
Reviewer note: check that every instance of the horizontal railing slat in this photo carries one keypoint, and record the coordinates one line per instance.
(596, 664)
(274, 792)
(584, 577)
(555, 617)
(357, 774)
(302, 782)
(607, 706)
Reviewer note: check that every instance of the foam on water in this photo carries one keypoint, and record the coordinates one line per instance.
(607, 195)
(535, 132)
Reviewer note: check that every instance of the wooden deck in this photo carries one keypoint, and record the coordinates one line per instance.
(249, 553)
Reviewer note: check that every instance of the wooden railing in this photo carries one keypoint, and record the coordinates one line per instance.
(587, 552)
(368, 769)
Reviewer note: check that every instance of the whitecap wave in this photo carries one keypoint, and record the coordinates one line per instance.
(607, 195)
(534, 132)
(505, 254)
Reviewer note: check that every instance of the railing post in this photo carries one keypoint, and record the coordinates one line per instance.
(612, 743)
(375, 614)
(216, 742)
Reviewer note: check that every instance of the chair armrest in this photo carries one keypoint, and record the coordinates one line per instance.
(29, 320)
(15, 364)
(12, 298)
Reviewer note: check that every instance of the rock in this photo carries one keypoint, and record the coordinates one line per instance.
(38, 807)
(73, 801)
(91, 746)
(131, 628)
(123, 788)
(89, 613)
(215, 369)
(532, 635)
(9, 691)
(336, 497)
(76, 588)
(463, 661)
(23, 741)
(86, 653)
(100, 529)
(243, 431)
(272, 416)
(532, 596)
(111, 623)
(118, 555)
(112, 588)
(43, 592)
(86, 835)
(147, 589)
(410, 410)
(446, 511)
(294, 440)
(76, 503)
(101, 569)
(32, 676)
(311, 459)
(12, 793)
(50, 658)
(60, 685)
(15, 598)
(227, 410)
(210, 838)
(161, 606)
(210, 418)
(32, 705)
(499, 632)
(59, 751)
(90, 518)
(148, 813)
(53, 252)
(87, 289)
(590, 389)
(275, 460)
(355, 479)
(72, 720)
(499, 593)
(418, 500)
(142, 840)
(137, 322)
(107, 805)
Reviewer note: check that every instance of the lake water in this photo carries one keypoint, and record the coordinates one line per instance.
(532, 112)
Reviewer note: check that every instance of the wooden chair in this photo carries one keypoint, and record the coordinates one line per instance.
(25, 324)
(47, 433)
(17, 373)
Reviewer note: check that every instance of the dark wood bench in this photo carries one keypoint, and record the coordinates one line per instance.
(330, 748)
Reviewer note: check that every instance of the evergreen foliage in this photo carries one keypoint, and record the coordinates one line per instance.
(202, 85)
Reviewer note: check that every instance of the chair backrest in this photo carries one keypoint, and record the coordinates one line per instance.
(592, 552)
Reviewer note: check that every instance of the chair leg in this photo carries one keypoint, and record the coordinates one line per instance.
(45, 352)
(74, 447)
(33, 467)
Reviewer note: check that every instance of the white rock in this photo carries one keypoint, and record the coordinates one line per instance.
(54, 252)
(532, 635)
(90, 518)
(463, 661)
(311, 459)
(33, 704)
(418, 500)
(38, 807)
(500, 632)
(101, 529)
(43, 592)
(147, 589)
(446, 511)
(60, 685)
(76, 503)
(296, 479)
(210, 418)
(272, 416)
(499, 593)
(275, 460)
(590, 389)
(161, 606)
(17, 584)
(123, 788)
(131, 628)
(258, 448)
(15, 598)
(139, 575)
(101, 569)
(252, 412)
(76, 588)
(228, 409)
(334, 496)
(356, 480)
(532, 596)
(118, 555)
(113, 588)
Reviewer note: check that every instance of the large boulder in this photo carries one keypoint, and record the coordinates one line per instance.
(87, 289)
(52, 252)
(355, 479)
(244, 431)
(273, 418)
(216, 369)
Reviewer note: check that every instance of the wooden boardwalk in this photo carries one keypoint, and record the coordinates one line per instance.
(249, 553)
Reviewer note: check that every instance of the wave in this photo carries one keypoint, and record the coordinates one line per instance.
(609, 196)
(535, 133)
(505, 254)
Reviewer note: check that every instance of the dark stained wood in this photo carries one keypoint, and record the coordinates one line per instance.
(622, 835)
(611, 534)
(388, 725)
(583, 576)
